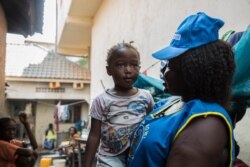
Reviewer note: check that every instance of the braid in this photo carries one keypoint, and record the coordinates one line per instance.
(208, 72)
(112, 51)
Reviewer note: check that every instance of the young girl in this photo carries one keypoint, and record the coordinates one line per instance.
(13, 152)
(117, 111)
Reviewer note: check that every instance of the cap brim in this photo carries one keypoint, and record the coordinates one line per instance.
(168, 53)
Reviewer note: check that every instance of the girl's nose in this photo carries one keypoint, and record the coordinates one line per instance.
(128, 68)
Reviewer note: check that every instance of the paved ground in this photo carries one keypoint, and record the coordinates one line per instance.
(47, 153)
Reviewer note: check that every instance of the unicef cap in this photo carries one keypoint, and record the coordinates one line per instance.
(194, 31)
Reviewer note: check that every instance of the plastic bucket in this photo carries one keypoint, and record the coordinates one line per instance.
(59, 162)
(45, 162)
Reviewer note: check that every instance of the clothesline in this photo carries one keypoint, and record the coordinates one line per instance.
(53, 105)
(152, 65)
(62, 114)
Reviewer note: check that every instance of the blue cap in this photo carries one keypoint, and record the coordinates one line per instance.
(194, 31)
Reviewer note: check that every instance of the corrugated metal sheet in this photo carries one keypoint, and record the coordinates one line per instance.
(24, 17)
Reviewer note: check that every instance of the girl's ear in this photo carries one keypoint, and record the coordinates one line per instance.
(109, 72)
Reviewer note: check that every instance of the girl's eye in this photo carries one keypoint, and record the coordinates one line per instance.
(124, 65)
(135, 65)
(120, 65)
(10, 129)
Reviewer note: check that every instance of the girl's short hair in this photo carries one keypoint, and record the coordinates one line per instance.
(113, 50)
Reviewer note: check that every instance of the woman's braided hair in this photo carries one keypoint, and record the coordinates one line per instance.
(112, 51)
(208, 71)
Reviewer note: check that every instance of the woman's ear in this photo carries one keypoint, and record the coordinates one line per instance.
(109, 71)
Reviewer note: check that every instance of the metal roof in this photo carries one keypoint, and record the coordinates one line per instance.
(55, 66)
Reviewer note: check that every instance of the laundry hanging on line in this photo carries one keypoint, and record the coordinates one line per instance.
(63, 113)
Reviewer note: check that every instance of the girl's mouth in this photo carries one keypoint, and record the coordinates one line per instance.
(128, 79)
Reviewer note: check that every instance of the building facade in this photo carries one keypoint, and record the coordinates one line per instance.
(45, 87)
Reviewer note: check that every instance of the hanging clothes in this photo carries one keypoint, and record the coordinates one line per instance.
(63, 113)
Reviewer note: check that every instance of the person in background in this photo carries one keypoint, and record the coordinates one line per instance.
(194, 128)
(68, 147)
(116, 113)
(13, 152)
(50, 137)
(73, 133)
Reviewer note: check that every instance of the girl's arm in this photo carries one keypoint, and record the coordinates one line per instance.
(92, 142)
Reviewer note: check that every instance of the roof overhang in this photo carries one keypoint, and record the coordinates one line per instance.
(74, 24)
(25, 79)
(24, 17)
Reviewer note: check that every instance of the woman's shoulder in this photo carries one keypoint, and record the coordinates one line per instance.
(203, 135)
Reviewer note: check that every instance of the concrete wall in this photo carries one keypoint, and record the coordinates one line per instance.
(151, 25)
(3, 31)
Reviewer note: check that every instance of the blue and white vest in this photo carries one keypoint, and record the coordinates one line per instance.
(152, 140)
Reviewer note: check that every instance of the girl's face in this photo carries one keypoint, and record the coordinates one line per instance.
(124, 68)
(172, 76)
(10, 131)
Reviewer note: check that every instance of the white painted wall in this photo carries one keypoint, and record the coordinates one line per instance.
(151, 24)
(27, 90)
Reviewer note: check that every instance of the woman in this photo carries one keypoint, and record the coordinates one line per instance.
(191, 128)
(50, 137)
